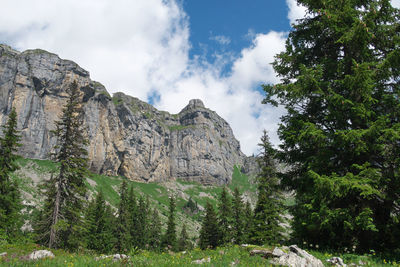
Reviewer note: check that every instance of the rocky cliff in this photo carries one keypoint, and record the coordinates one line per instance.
(127, 136)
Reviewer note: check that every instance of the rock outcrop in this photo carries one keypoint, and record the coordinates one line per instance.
(127, 136)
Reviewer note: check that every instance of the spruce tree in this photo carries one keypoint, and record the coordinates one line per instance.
(170, 235)
(10, 199)
(238, 217)
(248, 223)
(210, 234)
(154, 235)
(142, 223)
(122, 225)
(183, 242)
(268, 212)
(134, 220)
(225, 216)
(99, 221)
(60, 222)
(341, 135)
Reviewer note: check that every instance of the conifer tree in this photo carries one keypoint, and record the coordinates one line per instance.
(170, 235)
(134, 218)
(122, 224)
(10, 199)
(183, 242)
(225, 216)
(60, 223)
(340, 86)
(154, 236)
(99, 225)
(238, 217)
(142, 223)
(210, 234)
(248, 222)
(269, 208)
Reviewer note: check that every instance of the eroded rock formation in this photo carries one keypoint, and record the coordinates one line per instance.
(127, 136)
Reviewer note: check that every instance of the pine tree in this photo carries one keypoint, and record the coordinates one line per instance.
(122, 224)
(225, 216)
(248, 223)
(142, 222)
(10, 199)
(99, 225)
(134, 220)
(341, 134)
(238, 217)
(60, 222)
(268, 212)
(170, 235)
(210, 234)
(154, 236)
(183, 242)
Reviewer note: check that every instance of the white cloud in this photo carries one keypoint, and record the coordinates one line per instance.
(396, 3)
(296, 11)
(142, 47)
(221, 39)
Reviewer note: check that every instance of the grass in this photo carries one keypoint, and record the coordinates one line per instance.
(180, 127)
(223, 256)
(241, 181)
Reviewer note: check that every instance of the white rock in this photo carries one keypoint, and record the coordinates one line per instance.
(296, 257)
(336, 261)
(202, 261)
(40, 254)
(3, 254)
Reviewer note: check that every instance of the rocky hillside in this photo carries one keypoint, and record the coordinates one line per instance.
(127, 136)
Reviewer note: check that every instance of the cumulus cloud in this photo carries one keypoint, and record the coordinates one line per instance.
(142, 48)
(396, 3)
(296, 11)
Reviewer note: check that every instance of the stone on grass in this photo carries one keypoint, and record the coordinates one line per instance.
(205, 260)
(3, 254)
(336, 261)
(40, 254)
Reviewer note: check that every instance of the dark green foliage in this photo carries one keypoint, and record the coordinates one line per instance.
(154, 235)
(191, 206)
(123, 222)
(238, 217)
(10, 199)
(170, 235)
(183, 242)
(341, 134)
(210, 235)
(248, 223)
(141, 227)
(269, 208)
(225, 216)
(99, 225)
(60, 220)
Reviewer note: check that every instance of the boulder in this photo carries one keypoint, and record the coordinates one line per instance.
(296, 257)
(205, 260)
(336, 261)
(40, 254)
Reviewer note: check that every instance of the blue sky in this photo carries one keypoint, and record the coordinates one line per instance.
(167, 52)
(228, 26)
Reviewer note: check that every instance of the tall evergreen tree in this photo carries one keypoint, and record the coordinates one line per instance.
(99, 226)
(10, 199)
(238, 217)
(134, 220)
(225, 216)
(60, 222)
(122, 225)
(142, 222)
(170, 235)
(210, 234)
(341, 134)
(183, 242)
(248, 222)
(154, 235)
(269, 208)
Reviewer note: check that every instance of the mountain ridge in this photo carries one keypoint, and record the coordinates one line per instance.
(127, 136)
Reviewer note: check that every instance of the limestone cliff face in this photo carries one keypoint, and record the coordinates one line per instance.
(127, 136)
